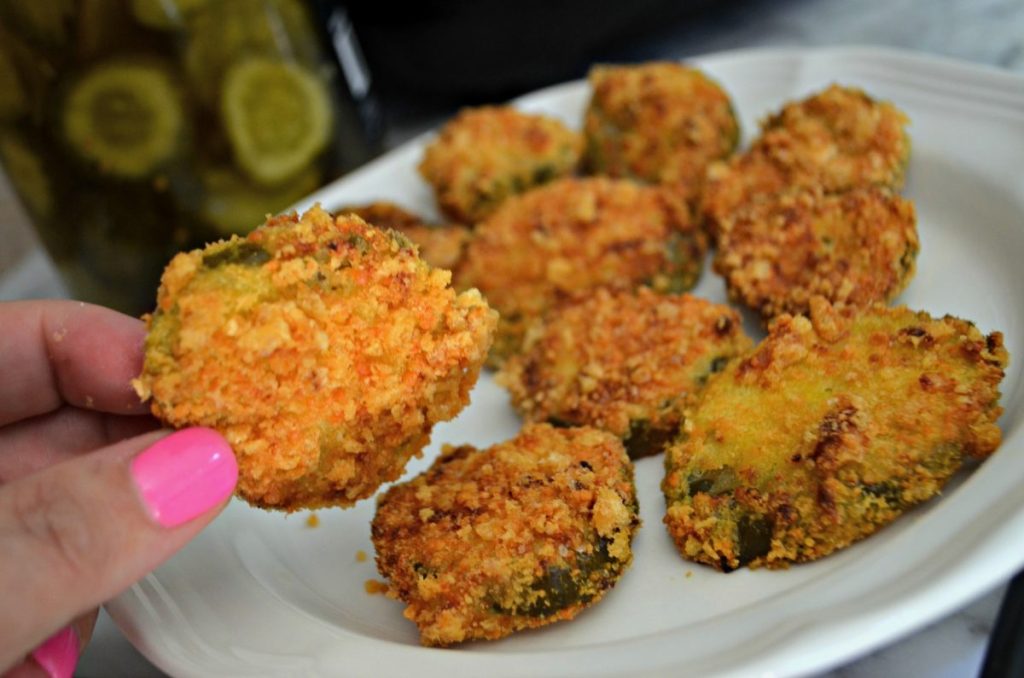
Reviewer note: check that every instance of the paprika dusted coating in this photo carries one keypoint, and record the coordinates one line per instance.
(519, 535)
(853, 248)
(623, 361)
(828, 430)
(440, 245)
(322, 348)
(485, 155)
(573, 236)
(837, 139)
(660, 122)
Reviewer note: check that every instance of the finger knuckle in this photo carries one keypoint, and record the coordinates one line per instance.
(58, 523)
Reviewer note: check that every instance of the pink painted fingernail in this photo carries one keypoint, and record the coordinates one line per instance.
(58, 655)
(185, 474)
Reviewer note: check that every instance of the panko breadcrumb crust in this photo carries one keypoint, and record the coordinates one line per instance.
(828, 430)
(519, 535)
(323, 349)
(661, 122)
(487, 154)
(837, 139)
(623, 361)
(853, 248)
(577, 235)
(440, 245)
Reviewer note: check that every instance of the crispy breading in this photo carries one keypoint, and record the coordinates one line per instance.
(521, 534)
(575, 235)
(659, 121)
(853, 248)
(837, 139)
(440, 245)
(323, 349)
(484, 155)
(624, 362)
(828, 430)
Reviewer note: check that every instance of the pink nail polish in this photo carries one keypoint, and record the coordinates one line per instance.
(185, 474)
(58, 655)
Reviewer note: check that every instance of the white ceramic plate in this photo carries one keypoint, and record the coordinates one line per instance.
(263, 594)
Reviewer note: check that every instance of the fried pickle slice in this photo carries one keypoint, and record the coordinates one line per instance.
(573, 236)
(519, 535)
(323, 349)
(440, 245)
(837, 139)
(624, 362)
(486, 154)
(828, 430)
(853, 248)
(660, 122)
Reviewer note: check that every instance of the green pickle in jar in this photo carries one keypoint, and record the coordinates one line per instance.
(131, 129)
(278, 118)
(125, 119)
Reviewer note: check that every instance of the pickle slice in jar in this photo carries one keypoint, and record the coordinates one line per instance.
(232, 204)
(125, 119)
(223, 32)
(277, 116)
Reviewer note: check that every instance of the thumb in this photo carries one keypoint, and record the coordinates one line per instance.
(80, 532)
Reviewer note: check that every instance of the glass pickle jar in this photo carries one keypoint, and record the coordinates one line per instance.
(132, 129)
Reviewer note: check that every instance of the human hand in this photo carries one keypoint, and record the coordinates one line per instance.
(92, 497)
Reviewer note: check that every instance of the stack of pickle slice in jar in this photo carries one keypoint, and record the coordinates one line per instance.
(134, 128)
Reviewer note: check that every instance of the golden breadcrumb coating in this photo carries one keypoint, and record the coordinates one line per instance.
(837, 139)
(575, 235)
(484, 155)
(661, 122)
(440, 245)
(853, 248)
(515, 536)
(828, 430)
(323, 349)
(624, 362)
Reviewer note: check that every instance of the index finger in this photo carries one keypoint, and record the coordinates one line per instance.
(56, 352)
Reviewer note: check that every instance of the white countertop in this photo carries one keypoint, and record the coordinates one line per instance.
(982, 31)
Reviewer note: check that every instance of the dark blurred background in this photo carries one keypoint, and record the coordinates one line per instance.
(472, 50)
(414, 63)
(422, 61)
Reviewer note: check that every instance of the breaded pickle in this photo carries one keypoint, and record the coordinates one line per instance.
(661, 122)
(624, 362)
(575, 235)
(837, 139)
(828, 430)
(441, 245)
(853, 248)
(521, 534)
(323, 349)
(484, 155)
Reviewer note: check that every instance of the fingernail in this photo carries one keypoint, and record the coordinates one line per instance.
(58, 655)
(185, 474)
